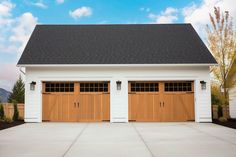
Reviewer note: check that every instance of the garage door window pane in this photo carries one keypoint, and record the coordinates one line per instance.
(105, 89)
(71, 89)
(144, 87)
(86, 90)
(59, 87)
(52, 89)
(178, 87)
(47, 85)
(94, 87)
(52, 85)
(66, 89)
(47, 90)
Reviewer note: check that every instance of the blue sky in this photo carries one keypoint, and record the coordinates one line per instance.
(19, 17)
(103, 11)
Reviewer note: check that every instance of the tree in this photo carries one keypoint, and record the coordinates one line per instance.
(18, 92)
(231, 81)
(216, 97)
(1, 111)
(222, 43)
(15, 116)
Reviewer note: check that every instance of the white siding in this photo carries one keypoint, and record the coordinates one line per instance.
(119, 99)
(232, 100)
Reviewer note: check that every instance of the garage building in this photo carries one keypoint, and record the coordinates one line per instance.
(117, 73)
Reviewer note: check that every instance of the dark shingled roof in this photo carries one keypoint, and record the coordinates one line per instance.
(116, 44)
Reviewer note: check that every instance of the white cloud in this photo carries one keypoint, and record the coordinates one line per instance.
(198, 15)
(145, 9)
(5, 13)
(22, 31)
(14, 34)
(81, 12)
(6, 22)
(60, 1)
(167, 16)
(169, 11)
(40, 4)
(5, 8)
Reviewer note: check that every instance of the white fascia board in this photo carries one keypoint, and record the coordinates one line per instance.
(112, 65)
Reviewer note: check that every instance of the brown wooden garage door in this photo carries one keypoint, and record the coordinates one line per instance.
(161, 101)
(73, 101)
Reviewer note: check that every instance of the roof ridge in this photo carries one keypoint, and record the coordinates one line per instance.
(151, 24)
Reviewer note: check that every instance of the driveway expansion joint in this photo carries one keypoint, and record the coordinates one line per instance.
(142, 139)
(75, 140)
(203, 132)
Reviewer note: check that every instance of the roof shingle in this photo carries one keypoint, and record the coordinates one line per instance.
(115, 44)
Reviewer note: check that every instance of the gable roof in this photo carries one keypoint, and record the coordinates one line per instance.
(115, 44)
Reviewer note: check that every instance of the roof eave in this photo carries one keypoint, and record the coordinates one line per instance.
(114, 65)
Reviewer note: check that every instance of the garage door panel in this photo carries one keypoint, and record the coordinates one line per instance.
(144, 107)
(98, 107)
(156, 108)
(65, 101)
(84, 101)
(167, 108)
(88, 113)
(169, 103)
(56, 107)
(60, 107)
(53, 107)
(183, 107)
(105, 107)
(179, 108)
(91, 107)
(148, 106)
(64, 108)
(45, 108)
(189, 106)
(140, 107)
(181, 92)
(133, 101)
(72, 108)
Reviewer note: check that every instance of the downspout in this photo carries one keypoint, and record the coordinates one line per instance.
(22, 71)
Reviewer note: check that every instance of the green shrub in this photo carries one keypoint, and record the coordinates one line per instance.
(215, 100)
(1, 112)
(8, 120)
(223, 119)
(16, 112)
(217, 97)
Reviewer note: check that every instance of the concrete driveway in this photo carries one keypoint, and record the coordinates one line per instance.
(118, 140)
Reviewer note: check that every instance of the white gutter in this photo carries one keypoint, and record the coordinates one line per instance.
(112, 65)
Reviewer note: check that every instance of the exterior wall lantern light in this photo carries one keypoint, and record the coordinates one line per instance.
(118, 85)
(32, 85)
(203, 85)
